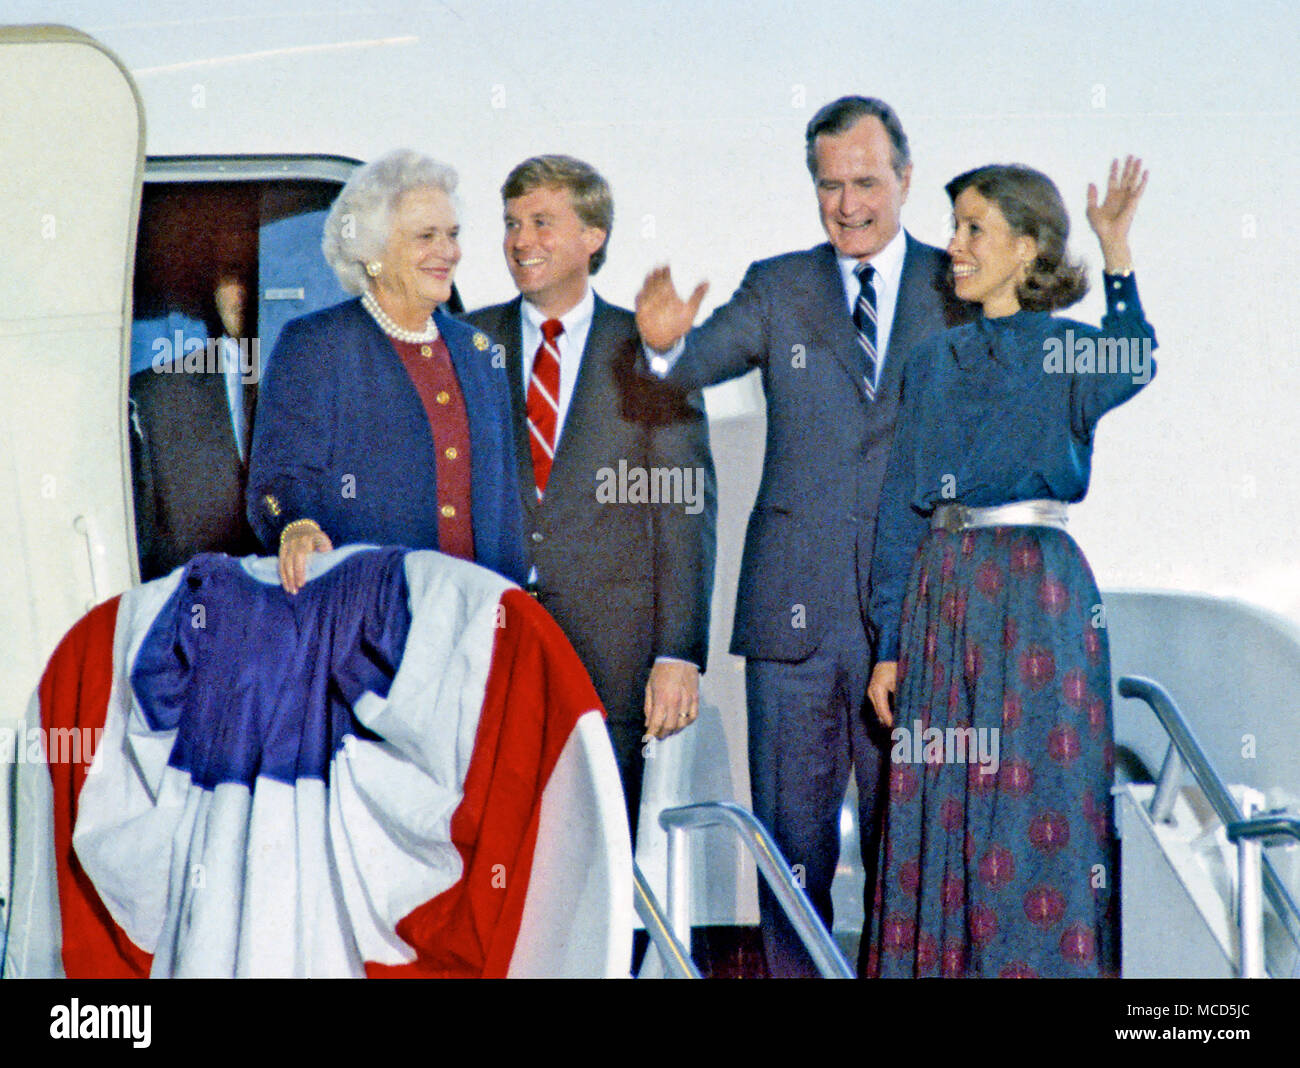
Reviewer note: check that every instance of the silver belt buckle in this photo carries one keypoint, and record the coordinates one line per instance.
(954, 518)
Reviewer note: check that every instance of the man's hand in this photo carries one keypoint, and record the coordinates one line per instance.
(662, 317)
(296, 546)
(881, 690)
(1111, 219)
(672, 698)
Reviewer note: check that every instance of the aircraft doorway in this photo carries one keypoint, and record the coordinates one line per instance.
(228, 251)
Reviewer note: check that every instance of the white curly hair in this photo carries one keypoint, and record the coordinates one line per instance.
(359, 223)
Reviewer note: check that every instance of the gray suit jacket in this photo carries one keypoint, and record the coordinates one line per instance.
(808, 547)
(627, 582)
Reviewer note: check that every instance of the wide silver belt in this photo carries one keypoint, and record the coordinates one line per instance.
(955, 518)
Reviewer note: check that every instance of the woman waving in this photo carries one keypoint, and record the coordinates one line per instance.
(998, 852)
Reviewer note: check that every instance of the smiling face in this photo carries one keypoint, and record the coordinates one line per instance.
(548, 249)
(989, 259)
(858, 193)
(419, 261)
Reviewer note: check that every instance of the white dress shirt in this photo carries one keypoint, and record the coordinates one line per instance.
(888, 263)
(571, 343)
(234, 373)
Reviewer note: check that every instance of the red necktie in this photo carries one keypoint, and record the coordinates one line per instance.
(544, 403)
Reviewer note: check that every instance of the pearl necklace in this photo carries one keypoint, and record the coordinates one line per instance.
(386, 324)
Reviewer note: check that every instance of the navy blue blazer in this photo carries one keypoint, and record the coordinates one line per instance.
(809, 544)
(343, 438)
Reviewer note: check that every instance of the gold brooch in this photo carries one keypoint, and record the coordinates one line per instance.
(272, 505)
(480, 341)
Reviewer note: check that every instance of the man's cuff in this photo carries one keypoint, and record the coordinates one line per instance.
(660, 363)
(676, 660)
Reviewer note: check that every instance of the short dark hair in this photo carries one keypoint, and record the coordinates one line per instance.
(840, 115)
(1032, 206)
(588, 191)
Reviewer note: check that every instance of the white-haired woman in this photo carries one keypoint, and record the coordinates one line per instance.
(383, 419)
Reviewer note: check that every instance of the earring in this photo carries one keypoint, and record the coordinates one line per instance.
(373, 268)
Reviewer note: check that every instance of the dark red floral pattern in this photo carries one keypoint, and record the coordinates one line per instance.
(1010, 873)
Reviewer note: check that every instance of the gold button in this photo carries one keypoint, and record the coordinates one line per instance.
(426, 351)
(443, 396)
(452, 452)
(448, 510)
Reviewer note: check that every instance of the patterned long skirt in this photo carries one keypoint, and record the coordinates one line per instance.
(999, 855)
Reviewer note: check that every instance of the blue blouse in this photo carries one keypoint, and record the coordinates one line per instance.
(997, 411)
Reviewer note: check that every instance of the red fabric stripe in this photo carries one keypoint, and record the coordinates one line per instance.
(74, 694)
(537, 689)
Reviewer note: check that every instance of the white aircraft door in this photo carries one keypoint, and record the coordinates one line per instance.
(71, 159)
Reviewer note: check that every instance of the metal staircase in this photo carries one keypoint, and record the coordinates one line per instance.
(1191, 907)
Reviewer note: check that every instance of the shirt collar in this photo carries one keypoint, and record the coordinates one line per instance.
(576, 318)
(1009, 340)
(888, 263)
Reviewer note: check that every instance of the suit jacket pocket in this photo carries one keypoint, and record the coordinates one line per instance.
(778, 605)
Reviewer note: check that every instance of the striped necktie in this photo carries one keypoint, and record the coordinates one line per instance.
(544, 403)
(864, 318)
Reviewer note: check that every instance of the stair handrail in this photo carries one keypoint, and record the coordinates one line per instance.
(772, 866)
(1184, 749)
(675, 956)
(1250, 835)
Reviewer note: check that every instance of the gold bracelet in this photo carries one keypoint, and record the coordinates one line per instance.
(297, 523)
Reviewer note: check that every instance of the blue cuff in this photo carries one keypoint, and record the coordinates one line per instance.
(1120, 289)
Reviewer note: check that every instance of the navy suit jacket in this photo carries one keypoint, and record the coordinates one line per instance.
(343, 438)
(808, 546)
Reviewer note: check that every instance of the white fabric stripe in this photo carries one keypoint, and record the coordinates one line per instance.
(579, 890)
(542, 390)
(540, 439)
(34, 936)
(125, 784)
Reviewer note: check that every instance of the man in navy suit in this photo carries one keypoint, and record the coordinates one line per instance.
(831, 339)
(623, 561)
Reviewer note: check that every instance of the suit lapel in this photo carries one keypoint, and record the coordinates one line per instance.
(508, 331)
(829, 316)
(914, 316)
(248, 396)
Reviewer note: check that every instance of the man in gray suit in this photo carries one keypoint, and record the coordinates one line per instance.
(615, 468)
(830, 330)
